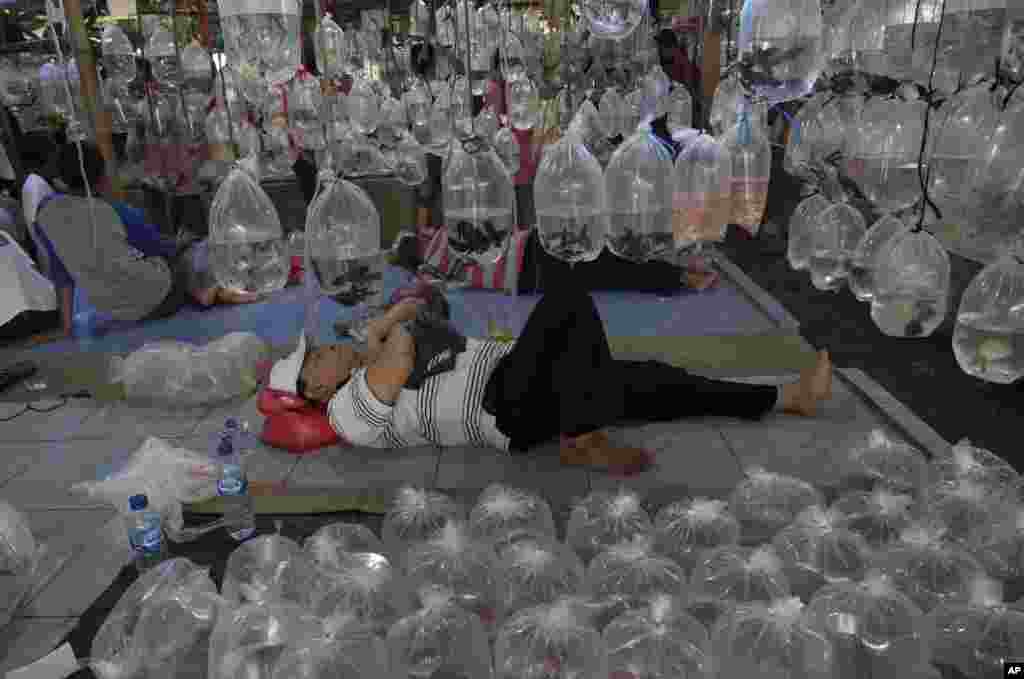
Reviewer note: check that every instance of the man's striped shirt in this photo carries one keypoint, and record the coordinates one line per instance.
(447, 410)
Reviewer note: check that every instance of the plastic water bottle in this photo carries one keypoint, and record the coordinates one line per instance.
(145, 533)
(233, 485)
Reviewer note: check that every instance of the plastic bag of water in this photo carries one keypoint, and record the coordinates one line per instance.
(775, 640)
(878, 516)
(553, 640)
(333, 545)
(603, 519)
(977, 465)
(659, 640)
(367, 588)
(18, 547)
(415, 516)
(764, 503)
(467, 568)
(685, 529)
(742, 575)
(875, 631)
(879, 460)
(346, 650)
(632, 572)
(501, 511)
(913, 278)
(250, 640)
(439, 641)
(817, 549)
(269, 568)
(538, 571)
(967, 512)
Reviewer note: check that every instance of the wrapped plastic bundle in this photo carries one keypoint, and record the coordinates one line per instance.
(633, 573)
(182, 375)
(18, 547)
(928, 570)
(816, 549)
(502, 511)
(967, 512)
(415, 516)
(441, 640)
(879, 516)
(883, 462)
(764, 503)
(977, 465)
(466, 568)
(367, 588)
(742, 575)
(682, 530)
(658, 641)
(771, 640)
(269, 568)
(160, 625)
(875, 631)
(604, 519)
(976, 637)
(553, 640)
(250, 640)
(333, 545)
(538, 571)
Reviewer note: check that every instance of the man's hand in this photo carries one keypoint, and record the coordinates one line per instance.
(379, 329)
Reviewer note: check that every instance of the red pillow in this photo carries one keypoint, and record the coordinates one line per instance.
(294, 424)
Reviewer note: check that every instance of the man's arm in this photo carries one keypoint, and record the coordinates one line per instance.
(390, 371)
(378, 329)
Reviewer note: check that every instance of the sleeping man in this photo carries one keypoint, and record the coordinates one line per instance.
(418, 381)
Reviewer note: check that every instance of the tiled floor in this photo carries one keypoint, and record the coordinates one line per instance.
(47, 453)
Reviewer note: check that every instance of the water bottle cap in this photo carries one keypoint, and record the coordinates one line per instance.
(137, 502)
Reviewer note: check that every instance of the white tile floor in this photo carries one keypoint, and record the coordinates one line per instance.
(46, 453)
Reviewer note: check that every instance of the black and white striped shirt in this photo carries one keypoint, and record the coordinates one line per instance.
(447, 410)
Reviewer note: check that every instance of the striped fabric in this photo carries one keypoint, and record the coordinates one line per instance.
(497, 275)
(446, 411)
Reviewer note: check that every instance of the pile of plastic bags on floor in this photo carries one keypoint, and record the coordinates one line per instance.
(903, 571)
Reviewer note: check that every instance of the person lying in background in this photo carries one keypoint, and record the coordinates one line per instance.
(419, 383)
(159, 275)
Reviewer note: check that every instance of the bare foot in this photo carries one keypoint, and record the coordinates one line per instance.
(815, 386)
(226, 296)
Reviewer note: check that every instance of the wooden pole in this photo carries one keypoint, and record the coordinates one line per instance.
(102, 120)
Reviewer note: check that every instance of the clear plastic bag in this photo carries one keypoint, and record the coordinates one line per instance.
(835, 234)
(250, 640)
(800, 246)
(441, 640)
(967, 512)
(554, 640)
(269, 568)
(879, 461)
(466, 568)
(864, 264)
(976, 637)
(18, 548)
(875, 630)
(333, 545)
(502, 511)
(746, 143)
(816, 549)
(415, 516)
(913, 278)
(347, 651)
(365, 587)
(780, 47)
(926, 569)
(604, 519)
(661, 640)
(183, 375)
(685, 529)
(634, 573)
(161, 624)
(977, 465)
(1002, 554)
(702, 202)
(742, 575)
(774, 640)
(538, 571)
(764, 503)
(878, 516)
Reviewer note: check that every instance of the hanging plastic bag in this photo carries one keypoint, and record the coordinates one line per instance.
(638, 182)
(926, 569)
(551, 640)
(347, 650)
(764, 503)
(878, 516)
(874, 630)
(331, 48)
(742, 575)
(247, 247)
(780, 47)
(702, 203)
(746, 143)
(725, 104)
(863, 269)
(269, 568)
(990, 321)
(801, 224)
(878, 460)
(604, 519)
(439, 640)
(817, 549)
(416, 516)
(913, 286)
(182, 375)
(479, 201)
(835, 234)
(160, 626)
(685, 529)
(18, 548)
(502, 512)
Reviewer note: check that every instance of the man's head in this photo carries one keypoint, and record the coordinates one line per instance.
(326, 369)
(69, 169)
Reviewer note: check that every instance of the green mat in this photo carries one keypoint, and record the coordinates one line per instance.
(728, 354)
